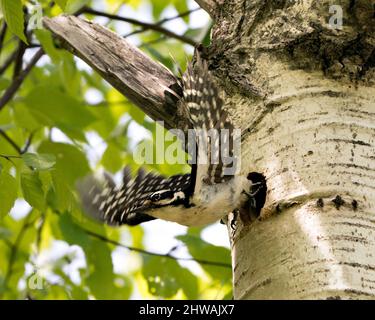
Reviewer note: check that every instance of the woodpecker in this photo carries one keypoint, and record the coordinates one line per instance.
(202, 197)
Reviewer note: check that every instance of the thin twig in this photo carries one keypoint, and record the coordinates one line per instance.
(39, 231)
(13, 56)
(2, 34)
(8, 61)
(145, 25)
(105, 104)
(181, 15)
(8, 157)
(33, 45)
(16, 83)
(18, 61)
(10, 141)
(15, 145)
(28, 143)
(146, 44)
(150, 253)
(14, 251)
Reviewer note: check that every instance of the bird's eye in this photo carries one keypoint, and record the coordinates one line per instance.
(155, 197)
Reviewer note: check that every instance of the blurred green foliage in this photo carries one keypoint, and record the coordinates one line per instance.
(56, 95)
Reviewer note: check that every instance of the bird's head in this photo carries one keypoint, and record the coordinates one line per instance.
(166, 197)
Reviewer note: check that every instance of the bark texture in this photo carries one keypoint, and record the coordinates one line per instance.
(303, 94)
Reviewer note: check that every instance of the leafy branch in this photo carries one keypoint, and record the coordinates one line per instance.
(10, 141)
(145, 25)
(14, 250)
(2, 34)
(8, 61)
(161, 22)
(15, 146)
(166, 255)
(18, 61)
(17, 81)
(17, 55)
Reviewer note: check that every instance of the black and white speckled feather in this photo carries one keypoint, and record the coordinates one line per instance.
(204, 107)
(199, 198)
(103, 200)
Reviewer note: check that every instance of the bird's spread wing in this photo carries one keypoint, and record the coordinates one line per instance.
(204, 108)
(129, 202)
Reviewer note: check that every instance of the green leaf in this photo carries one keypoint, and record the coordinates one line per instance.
(123, 288)
(77, 292)
(6, 127)
(137, 233)
(4, 83)
(112, 159)
(70, 75)
(228, 295)
(52, 107)
(207, 38)
(101, 280)
(72, 233)
(165, 277)
(24, 249)
(74, 5)
(45, 39)
(13, 14)
(181, 6)
(71, 163)
(32, 189)
(166, 61)
(8, 193)
(200, 249)
(99, 260)
(60, 196)
(47, 180)
(23, 118)
(39, 161)
(5, 233)
(197, 34)
(137, 114)
(62, 3)
(157, 7)
(107, 122)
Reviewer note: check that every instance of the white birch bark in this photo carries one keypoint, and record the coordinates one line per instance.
(315, 147)
(304, 94)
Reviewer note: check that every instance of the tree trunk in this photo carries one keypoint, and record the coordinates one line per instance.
(303, 94)
(302, 90)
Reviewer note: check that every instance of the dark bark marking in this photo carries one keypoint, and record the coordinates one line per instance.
(355, 205)
(338, 202)
(320, 203)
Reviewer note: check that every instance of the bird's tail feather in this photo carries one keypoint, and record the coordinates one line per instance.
(94, 193)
